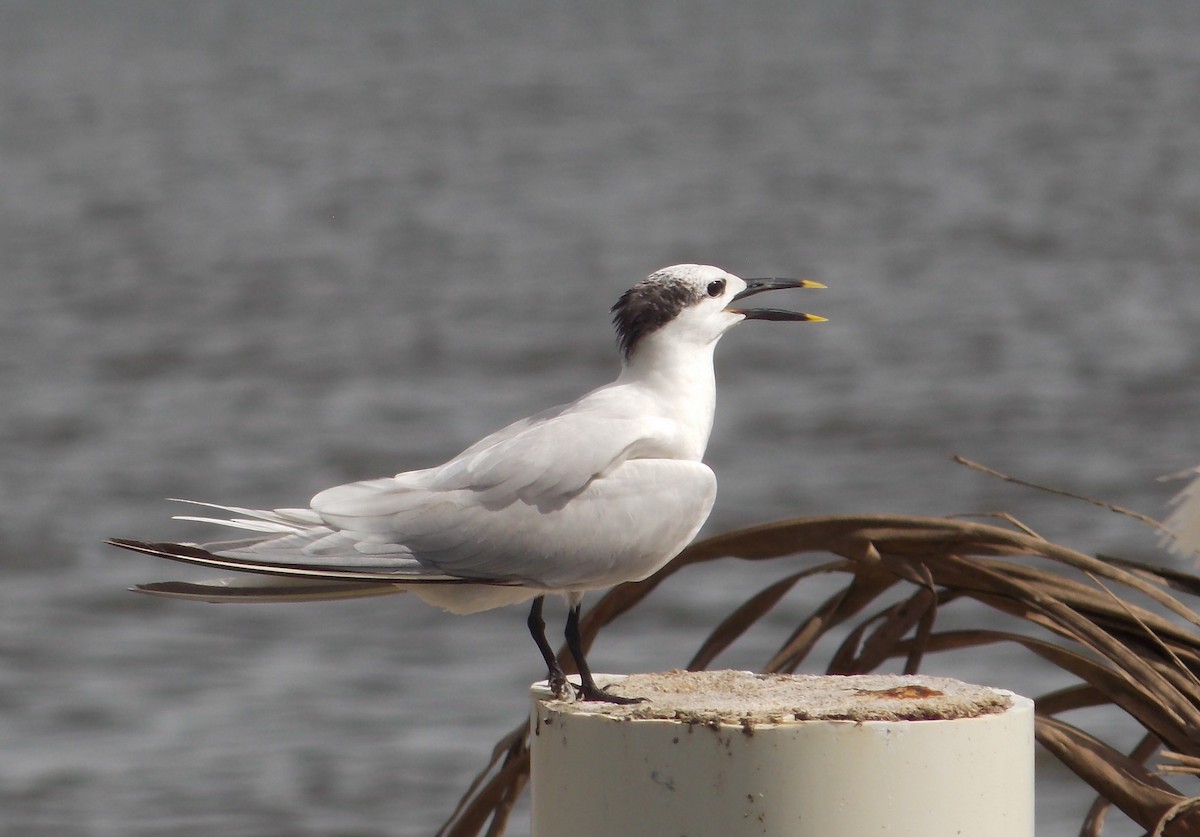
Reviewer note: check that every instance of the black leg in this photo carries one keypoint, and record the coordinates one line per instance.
(555, 677)
(588, 689)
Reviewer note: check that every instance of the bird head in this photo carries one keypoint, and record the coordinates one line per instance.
(691, 303)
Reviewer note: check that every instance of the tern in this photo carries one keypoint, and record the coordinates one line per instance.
(604, 490)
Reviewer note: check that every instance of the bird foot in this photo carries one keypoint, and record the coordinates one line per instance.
(593, 693)
(560, 687)
(564, 689)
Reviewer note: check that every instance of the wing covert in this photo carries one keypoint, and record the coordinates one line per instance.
(549, 462)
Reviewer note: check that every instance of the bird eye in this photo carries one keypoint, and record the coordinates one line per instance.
(716, 288)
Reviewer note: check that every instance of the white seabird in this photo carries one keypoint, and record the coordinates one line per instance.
(604, 490)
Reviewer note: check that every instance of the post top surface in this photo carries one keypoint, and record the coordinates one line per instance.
(741, 697)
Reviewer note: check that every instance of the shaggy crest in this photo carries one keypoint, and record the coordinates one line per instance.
(649, 305)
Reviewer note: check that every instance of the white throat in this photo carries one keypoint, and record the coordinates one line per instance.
(679, 379)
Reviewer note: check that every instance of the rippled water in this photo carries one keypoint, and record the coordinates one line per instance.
(248, 251)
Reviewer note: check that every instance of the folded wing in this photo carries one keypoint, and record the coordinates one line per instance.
(497, 514)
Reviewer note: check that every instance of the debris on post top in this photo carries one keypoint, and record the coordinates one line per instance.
(740, 697)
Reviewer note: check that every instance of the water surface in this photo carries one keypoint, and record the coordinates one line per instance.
(249, 251)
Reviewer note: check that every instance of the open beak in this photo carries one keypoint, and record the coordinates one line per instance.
(758, 286)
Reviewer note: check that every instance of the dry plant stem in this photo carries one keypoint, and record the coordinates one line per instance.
(991, 472)
(1133, 615)
(751, 611)
(1186, 764)
(1094, 821)
(494, 798)
(928, 616)
(1133, 789)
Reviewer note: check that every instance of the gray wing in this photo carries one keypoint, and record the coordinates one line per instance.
(541, 461)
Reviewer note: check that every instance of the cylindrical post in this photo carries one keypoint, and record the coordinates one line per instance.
(733, 754)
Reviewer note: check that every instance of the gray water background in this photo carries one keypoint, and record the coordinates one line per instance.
(251, 250)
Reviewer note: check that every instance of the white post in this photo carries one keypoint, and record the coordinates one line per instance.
(727, 754)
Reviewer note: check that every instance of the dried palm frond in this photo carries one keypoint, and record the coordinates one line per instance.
(1116, 627)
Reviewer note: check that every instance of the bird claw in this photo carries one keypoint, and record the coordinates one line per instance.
(593, 693)
(561, 688)
(564, 690)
